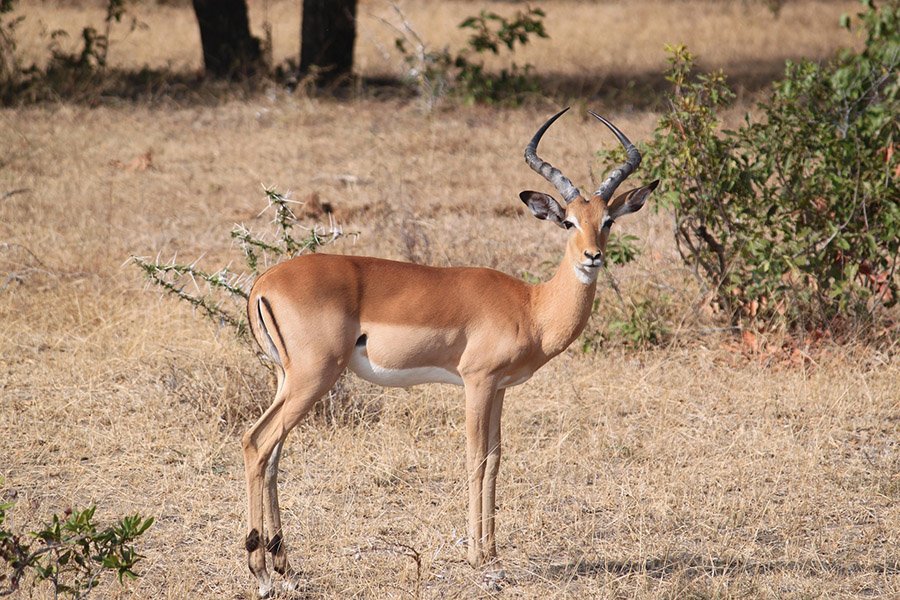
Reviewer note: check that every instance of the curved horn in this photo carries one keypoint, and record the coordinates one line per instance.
(609, 185)
(548, 171)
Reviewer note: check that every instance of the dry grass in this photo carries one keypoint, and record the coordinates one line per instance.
(677, 473)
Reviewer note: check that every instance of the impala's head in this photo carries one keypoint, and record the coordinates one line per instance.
(588, 218)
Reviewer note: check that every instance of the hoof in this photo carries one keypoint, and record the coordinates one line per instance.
(494, 580)
(266, 590)
(292, 584)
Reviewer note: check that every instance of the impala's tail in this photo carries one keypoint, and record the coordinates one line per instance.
(263, 325)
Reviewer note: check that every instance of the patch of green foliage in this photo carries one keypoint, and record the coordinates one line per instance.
(436, 73)
(639, 323)
(642, 324)
(791, 221)
(64, 67)
(621, 249)
(69, 552)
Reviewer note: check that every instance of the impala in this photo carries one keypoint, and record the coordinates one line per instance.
(402, 324)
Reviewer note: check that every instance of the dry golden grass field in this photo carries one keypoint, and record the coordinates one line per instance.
(691, 471)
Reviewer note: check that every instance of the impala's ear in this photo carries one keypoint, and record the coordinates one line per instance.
(631, 201)
(544, 207)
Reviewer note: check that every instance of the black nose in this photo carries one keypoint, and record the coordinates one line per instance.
(597, 256)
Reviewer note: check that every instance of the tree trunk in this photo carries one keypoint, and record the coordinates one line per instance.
(327, 34)
(229, 51)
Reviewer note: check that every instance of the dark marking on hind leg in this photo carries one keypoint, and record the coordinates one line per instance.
(274, 545)
(252, 540)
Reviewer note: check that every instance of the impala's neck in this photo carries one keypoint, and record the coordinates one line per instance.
(561, 306)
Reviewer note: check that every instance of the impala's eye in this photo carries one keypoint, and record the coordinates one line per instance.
(568, 224)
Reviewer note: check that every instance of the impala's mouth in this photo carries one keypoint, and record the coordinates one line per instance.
(587, 271)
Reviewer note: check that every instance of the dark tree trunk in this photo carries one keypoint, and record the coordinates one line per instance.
(327, 35)
(229, 51)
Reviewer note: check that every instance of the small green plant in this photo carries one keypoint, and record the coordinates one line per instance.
(437, 72)
(221, 295)
(642, 324)
(621, 249)
(71, 552)
(95, 44)
(64, 65)
(791, 221)
(639, 324)
(493, 33)
(9, 61)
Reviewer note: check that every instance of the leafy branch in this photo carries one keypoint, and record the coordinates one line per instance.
(71, 553)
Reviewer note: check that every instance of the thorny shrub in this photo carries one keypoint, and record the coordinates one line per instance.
(791, 222)
(69, 552)
(221, 295)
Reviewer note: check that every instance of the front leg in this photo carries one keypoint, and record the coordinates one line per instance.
(489, 492)
(479, 399)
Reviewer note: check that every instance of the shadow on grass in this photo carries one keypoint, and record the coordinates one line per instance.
(114, 86)
(636, 90)
(646, 90)
(694, 565)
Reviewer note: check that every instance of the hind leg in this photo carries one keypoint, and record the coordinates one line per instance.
(297, 394)
(274, 537)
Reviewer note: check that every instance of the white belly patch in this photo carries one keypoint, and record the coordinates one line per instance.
(366, 369)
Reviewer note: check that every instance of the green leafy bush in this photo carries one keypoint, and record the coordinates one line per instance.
(793, 220)
(71, 553)
(438, 72)
(639, 323)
